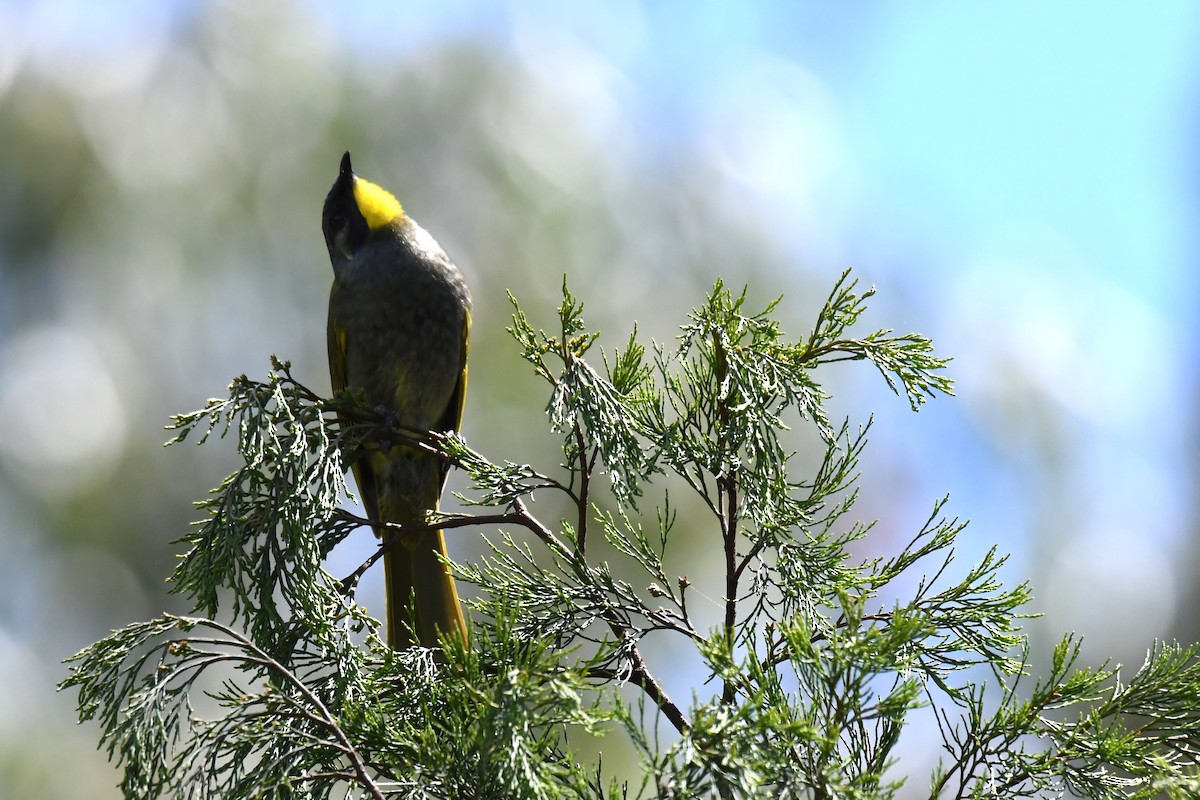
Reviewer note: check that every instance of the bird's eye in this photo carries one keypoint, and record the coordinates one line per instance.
(337, 223)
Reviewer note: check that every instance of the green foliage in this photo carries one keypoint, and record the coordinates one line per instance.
(818, 662)
(271, 523)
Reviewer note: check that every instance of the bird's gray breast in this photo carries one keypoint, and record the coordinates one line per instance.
(404, 326)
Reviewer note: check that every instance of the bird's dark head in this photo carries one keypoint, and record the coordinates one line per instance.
(354, 208)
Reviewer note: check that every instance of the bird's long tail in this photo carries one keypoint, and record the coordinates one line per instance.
(421, 597)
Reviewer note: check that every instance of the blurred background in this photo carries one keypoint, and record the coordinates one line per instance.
(1018, 182)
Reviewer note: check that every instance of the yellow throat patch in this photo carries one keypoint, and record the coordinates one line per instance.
(376, 204)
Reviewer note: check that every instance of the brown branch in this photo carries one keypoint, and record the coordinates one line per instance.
(449, 522)
(642, 678)
(731, 574)
(727, 505)
(756, 548)
(585, 477)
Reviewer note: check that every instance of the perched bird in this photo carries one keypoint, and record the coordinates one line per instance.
(399, 314)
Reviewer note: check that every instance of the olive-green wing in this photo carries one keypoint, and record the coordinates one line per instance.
(364, 476)
(452, 418)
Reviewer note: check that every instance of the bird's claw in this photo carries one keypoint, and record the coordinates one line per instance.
(391, 421)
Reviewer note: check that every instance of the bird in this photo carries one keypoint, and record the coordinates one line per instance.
(398, 331)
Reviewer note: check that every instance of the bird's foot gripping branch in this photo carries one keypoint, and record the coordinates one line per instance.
(776, 664)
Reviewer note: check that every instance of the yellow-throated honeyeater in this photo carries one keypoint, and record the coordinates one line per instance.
(399, 313)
